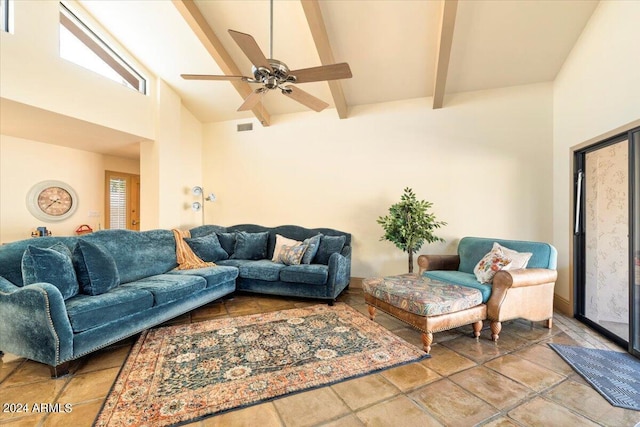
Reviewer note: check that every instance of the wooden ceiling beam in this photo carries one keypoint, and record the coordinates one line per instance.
(445, 41)
(321, 39)
(199, 25)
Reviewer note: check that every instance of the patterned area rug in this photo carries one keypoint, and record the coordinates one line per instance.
(179, 374)
(615, 375)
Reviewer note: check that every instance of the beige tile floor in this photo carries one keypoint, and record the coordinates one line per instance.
(519, 381)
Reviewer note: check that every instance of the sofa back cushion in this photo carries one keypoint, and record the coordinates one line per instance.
(472, 249)
(11, 255)
(96, 270)
(51, 265)
(137, 254)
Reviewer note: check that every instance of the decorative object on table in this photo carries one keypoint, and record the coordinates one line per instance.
(52, 201)
(183, 373)
(83, 229)
(199, 206)
(409, 224)
(41, 232)
(613, 374)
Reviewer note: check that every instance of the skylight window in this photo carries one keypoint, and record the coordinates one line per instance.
(82, 46)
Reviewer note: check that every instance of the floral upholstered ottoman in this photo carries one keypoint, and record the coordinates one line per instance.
(426, 304)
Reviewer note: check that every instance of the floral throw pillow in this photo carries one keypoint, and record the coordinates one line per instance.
(518, 259)
(292, 255)
(490, 264)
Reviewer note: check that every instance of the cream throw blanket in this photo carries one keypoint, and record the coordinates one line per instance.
(187, 259)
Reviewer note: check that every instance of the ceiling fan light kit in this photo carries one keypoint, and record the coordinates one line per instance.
(274, 74)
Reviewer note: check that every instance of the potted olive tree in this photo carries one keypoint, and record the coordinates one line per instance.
(409, 224)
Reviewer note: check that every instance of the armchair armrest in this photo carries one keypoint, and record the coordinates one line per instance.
(526, 293)
(34, 323)
(438, 262)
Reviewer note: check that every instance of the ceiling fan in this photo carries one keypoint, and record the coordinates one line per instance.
(273, 74)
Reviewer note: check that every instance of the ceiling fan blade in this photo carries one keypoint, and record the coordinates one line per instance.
(305, 98)
(324, 72)
(211, 77)
(250, 48)
(251, 100)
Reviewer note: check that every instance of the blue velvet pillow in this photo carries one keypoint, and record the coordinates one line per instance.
(329, 245)
(207, 248)
(96, 268)
(227, 241)
(51, 265)
(250, 245)
(313, 244)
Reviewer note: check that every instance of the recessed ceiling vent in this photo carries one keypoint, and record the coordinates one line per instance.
(243, 127)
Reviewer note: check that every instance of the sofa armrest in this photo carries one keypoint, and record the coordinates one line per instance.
(532, 290)
(339, 268)
(34, 323)
(438, 262)
(505, 279)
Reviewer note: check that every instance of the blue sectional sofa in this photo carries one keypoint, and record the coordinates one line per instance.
(525, 293)
(85, 293)
(324, 277)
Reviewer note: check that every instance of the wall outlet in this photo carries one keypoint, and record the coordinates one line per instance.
(94, 214)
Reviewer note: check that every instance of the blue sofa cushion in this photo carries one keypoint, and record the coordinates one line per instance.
(51, 265)
(227, 241)
(213, 275)
(169, 287)
(234, 262)
(262, 269)
(328, 245)
(313, 244)
(314, 274)
(89, 311)
(207, 248)
(472, 249)
(250, 245)
(96, 269)
(461, 278)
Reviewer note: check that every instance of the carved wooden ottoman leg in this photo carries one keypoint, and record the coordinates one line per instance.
(427, 339)
(496, 327)
(372, 312)
(549, 323)
(477, 327)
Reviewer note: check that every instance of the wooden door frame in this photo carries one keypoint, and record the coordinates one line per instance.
(133, 198)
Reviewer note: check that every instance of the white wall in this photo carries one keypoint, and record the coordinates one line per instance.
(484, 161)
(34, 74)
(24, 163)
(170, 165)
(597, 91)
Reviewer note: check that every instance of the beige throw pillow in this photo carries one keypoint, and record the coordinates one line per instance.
(280, 242)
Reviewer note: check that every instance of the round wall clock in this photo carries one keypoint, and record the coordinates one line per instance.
(52, 201)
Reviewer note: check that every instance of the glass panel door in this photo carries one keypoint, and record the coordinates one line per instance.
(606, 222)
(607, 238)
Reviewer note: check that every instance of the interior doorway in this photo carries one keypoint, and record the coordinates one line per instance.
(607, 238)
(122, 201)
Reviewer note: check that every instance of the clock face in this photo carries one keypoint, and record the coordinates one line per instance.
(52, 201)
(55, 201)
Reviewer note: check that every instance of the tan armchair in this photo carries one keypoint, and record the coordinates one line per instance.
(524, 293)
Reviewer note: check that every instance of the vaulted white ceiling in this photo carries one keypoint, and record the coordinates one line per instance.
(391, 45)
